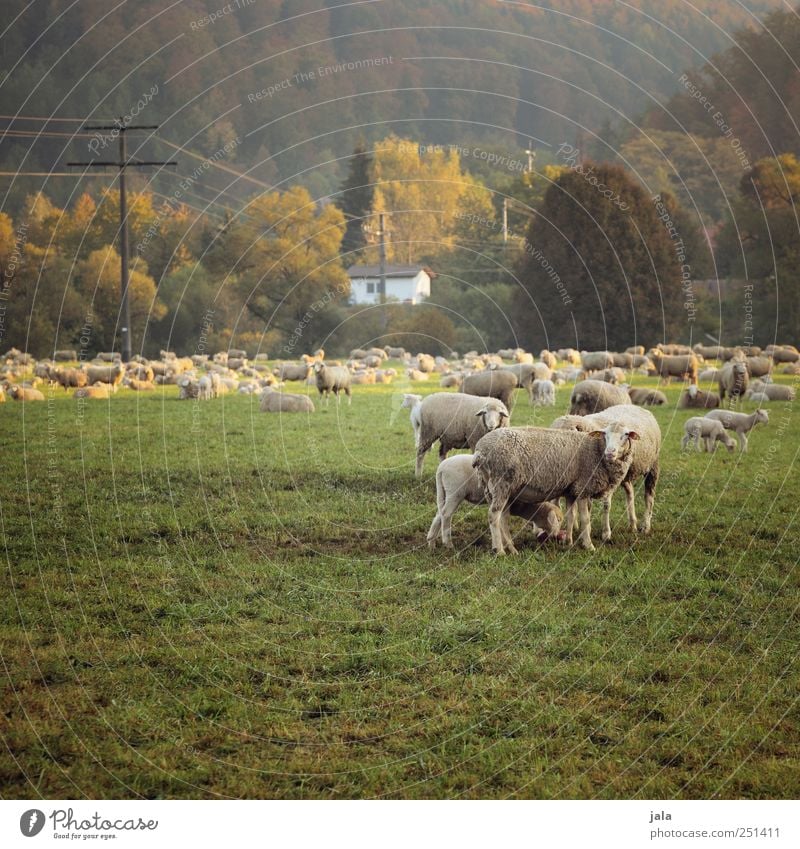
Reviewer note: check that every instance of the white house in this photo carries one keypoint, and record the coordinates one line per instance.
(408, 284)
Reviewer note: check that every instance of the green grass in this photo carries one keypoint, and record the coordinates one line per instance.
(200, 600)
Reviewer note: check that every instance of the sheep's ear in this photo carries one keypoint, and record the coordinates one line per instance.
(597, 434)
(481, 412)
(632, 434)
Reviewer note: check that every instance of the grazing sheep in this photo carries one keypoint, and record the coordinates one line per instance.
(24, 393)
(683, 366)
(693, 398)
(646, 397)
(65, 356)
(596, 360)
(592, 396)
(610, 375)
(709, 375)
(733, 379)
(771, 392)
(709, 430)
(452, 380)
(457, 481)
(495, 383)
(526, 373)
(759, 366)
(395, 353)
(456, 420)
(741, 423)
(102, 391)
(540, 464)
(292, 371)
(548, 358)
(645, 463)
(623, 360)
(69, 378)
(641, 362)
(112, 375)
(334, 379)
(543, 393)
(709, 352)
(272, 401)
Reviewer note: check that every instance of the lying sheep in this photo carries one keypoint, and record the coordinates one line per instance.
(334, 379)
(759, 366)
(363, 377)
(24, 393)
(693, 398)
(102, 391)
(272, 401)
(495, 383)
(140, 385)
(452, 380)
(112, 375)
(592, 396)
(416, 374)
(292, 371)
(543, 393)
(456, 420)
(610, 375)
(741, 423)
(646, 397)
(596, 360)
(709, 375)
(540, 464)
(457, 481)
(771, 392)
(709, 430)
(645, 463)
(66, 356)
(733, 379)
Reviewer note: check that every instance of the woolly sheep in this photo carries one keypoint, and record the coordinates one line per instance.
(272, 401)
(411, 402)
(140, 385)
(684, 366)
(416, 374)
(592, 396)
(548, 358)
(495, 383)
(112, 375)
(646, 397)
(610, 375)
(452, 380)
(543, 393)
(759, 366)
(774, 392)
(596, 360)
(65, 356)
(457, 481)
(709, 375)
(622, 360)
(733, 379)
(456, 420)
(541, 464)
(693, 398)
(635, 350)
(741, 423)
(69, 377)
(292, 371)
(645, 463)
(334, 379)
(709, 430)
(24, 393)
(102, 392)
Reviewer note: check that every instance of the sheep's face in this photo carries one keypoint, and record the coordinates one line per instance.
(762, 416)
(493, 417)
(410, 401)
(617, 441)
(318, 367)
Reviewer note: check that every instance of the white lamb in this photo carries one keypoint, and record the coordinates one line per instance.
(709, 430)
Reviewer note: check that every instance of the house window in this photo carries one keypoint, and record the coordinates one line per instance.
(370, 288)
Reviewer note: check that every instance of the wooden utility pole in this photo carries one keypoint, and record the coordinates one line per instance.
(505, 220)
(382, 259)
(122, 165)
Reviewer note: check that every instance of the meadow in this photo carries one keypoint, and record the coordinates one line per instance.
(200, 600)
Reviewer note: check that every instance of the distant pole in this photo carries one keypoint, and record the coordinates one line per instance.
(124, 162)
(505, 220)
(382, 259)
(531, 155)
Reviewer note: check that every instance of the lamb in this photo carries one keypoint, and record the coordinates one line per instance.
(24, 393)
(526, 373)
(772, 392)
(646, 457)
(102, 391)
(457, 481)
(543, 393)
(733, 379)
(272, 401)
(592, 396)
(495, 383)
(112, 375)
(292, 371)
(684, 366)
(541, 464)
(741, 423)
(456, 420)
(646, 397)
(334, 379)
(709, 430)
(694, 398)
(411, 402)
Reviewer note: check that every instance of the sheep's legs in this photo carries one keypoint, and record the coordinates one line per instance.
(606, 516)
(447, 511)
(585, 510)
(569, 519)
(630, 504)
(742, 441)
(650, 481)
(497, 507)
(504, 529)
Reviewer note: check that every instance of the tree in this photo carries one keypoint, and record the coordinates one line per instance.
(424, 327)
(599, 269)
(356, 199)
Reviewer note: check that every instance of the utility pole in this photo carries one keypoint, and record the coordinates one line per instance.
(505, 220)
(531, 152)
(122, 165)
(382, 259)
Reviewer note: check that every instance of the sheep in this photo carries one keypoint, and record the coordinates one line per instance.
(741, 423)
(709, 375)
(540, 464)
(360, 378)
(457, 481)
(610, 375)
(24, 393)
(569, 355)
(65, 356)
(108, 357)
(425, 362)
(395, 353)
(456, 420)
(640, 361)
(272, 401)
(733, 379)
(384, 375)
(684, 366)
(673, 349)
(646, 397)
(142, 372)
(543, 393)
(623, 360)
(709, 430)
(495, 383)
(102, 391)
(416, 374)
(694, 398)
(188, 388)
(140, 385)
(292, 371)
(646, 457)
(757, 396)
(592, 396)
(635, 350)
(759, 366)
(709, 352)
(548, 358)
(334, 379)
(411, 402)
(69, 377)
(112, 375)
(452, 380)
(772, 392)
(526, 373)
(782, 354)
(596, 360)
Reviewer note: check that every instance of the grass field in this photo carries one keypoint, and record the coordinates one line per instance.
(200, 600)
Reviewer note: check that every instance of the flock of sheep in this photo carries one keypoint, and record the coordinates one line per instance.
(607, 441)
